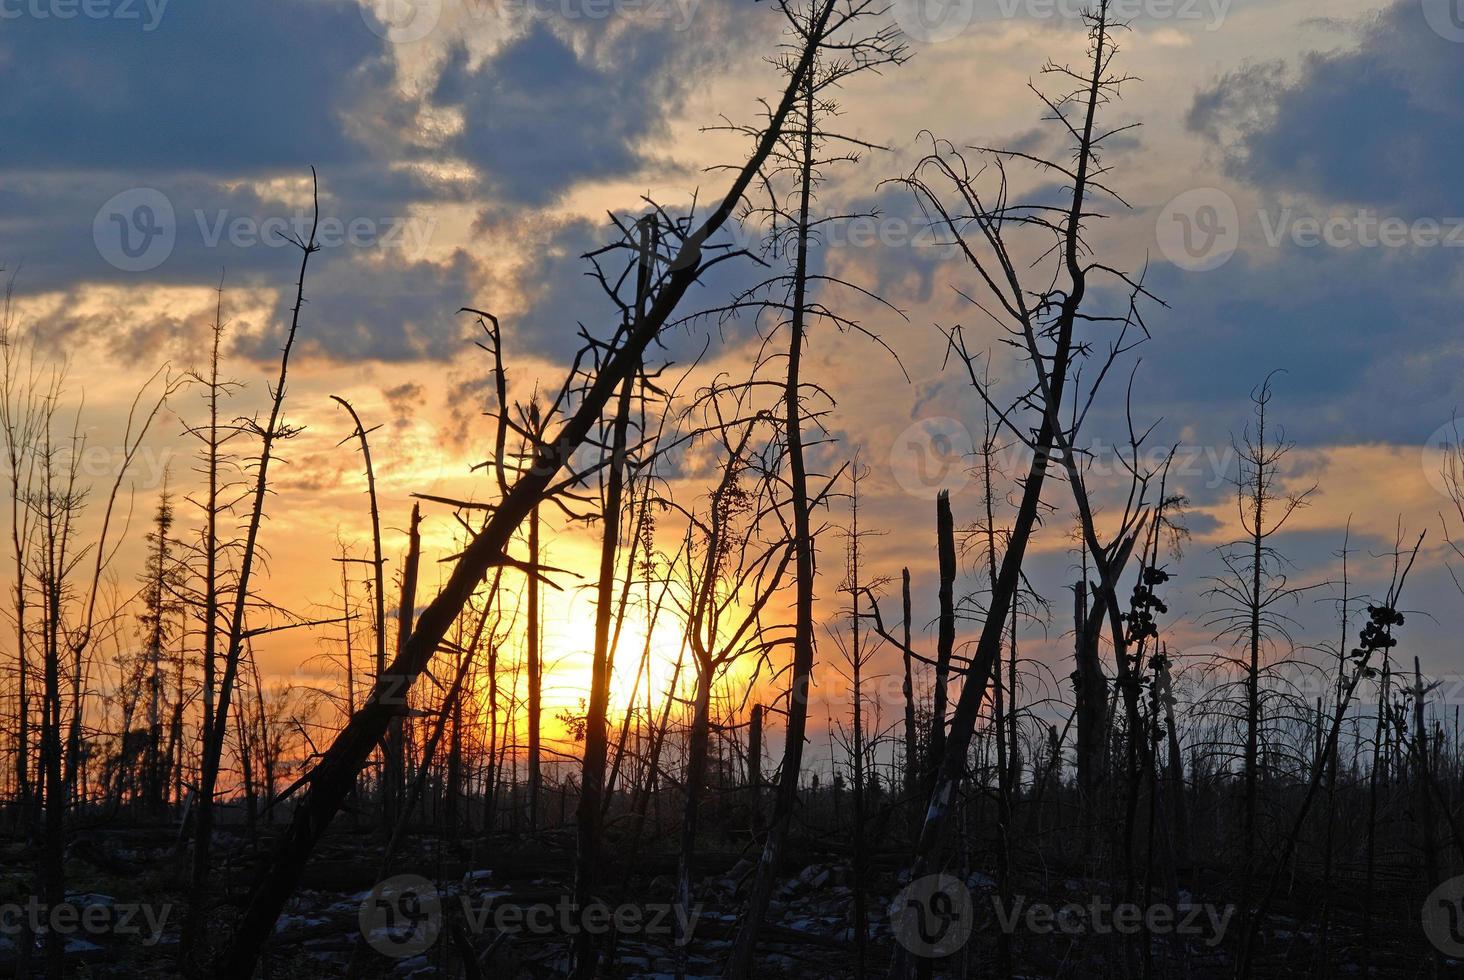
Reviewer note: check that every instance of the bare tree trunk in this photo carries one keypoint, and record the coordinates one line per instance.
(333, 775)
(744, 947)
(378, 559)
(393, 779)
(1090, 690)
(535, 671)
(193, 917)
(856, 663)
(696, 774)
(18, 417)
(907, 690)
(213, 741)
(988, 648)
(1427, 829)
(592, 781)
(945, 533)
(754, 767)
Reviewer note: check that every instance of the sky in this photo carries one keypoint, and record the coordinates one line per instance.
(1291, 192)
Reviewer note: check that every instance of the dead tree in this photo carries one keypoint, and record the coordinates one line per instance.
(945, 643)
(160, 584)
(1255, 587)
(272, 432)
(737, 561)
(68, 605)
(690, 252)
(801, 157)
(20, 419)
(1043, 323)
(378, 560)
(1377, 635)
(394, 768)
(592, 780)
(907, 691)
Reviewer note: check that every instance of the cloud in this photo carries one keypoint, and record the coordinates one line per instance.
(214, 88)
(603, 109)
(1367, 133)
(1397, 93)
(379, 307)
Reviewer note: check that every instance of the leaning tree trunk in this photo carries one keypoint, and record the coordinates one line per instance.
(744, 947)
(333, 776)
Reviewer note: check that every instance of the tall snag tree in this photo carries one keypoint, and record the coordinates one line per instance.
(988, 231)
(270, 433)
(689, 251)
(842, 44)
(21, 415)
(1254, 587)
(68, 572)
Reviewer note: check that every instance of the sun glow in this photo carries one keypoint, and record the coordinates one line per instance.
(645, 658)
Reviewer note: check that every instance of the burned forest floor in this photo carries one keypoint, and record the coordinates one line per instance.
(500, 906)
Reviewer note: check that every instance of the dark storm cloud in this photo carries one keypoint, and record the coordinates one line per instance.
(1370, 132)
(201, 102)
(1378, 124)
(602, 110)
(208, 87)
